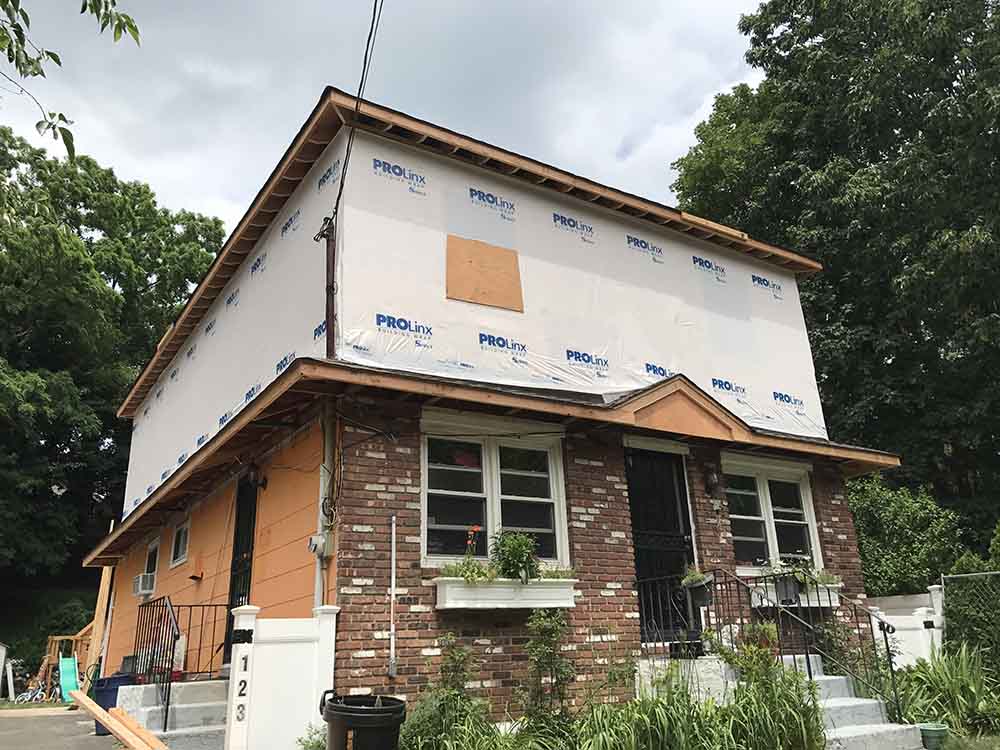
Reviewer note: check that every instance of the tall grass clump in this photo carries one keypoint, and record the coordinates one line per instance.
(953, 687)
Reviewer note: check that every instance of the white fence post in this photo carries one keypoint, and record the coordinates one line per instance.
(240, 676)
(327, 617)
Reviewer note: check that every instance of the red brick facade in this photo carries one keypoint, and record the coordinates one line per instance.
(381, 477)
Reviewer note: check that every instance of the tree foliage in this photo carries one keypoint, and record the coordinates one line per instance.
(92, 272)
(873, 145)
(906, 540)
(28, 60)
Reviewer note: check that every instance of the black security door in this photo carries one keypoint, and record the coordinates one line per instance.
(661, 535)
(241, 567)
(661, 531)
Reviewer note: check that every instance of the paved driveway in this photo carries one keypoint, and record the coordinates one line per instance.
(50, 729)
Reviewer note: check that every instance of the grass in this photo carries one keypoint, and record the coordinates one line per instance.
(973, 743)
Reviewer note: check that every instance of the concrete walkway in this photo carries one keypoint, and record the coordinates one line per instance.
(50, 729)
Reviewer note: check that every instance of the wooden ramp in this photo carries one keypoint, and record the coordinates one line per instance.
(125, 729)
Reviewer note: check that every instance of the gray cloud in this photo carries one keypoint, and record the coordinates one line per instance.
(204, 108)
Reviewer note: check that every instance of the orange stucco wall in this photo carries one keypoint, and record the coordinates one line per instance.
(283, 568)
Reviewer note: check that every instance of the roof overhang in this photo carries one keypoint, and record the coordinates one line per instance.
(675, 407)
(336, 109)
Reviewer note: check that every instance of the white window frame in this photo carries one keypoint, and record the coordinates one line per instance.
(183, 526)
(491, 433)
(154, 544)
(762, 470)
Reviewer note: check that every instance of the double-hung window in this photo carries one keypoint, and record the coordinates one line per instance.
(179, 545)
(496, 480)
(770, 511)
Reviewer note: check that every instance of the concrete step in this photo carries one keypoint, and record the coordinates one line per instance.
(134, 697)
(874, 737)
(184, 715)
(798, 662)
(846, 712)
(834, 686)
(197, 738)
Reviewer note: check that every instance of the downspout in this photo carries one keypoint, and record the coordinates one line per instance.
(326, 472)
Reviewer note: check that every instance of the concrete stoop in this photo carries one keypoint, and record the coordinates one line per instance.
(860, 723)
(195, 707)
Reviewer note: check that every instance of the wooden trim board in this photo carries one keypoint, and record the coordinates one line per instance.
(113, 724)
(144, 734)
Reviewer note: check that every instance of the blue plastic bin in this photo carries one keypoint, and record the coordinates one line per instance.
(106, 695)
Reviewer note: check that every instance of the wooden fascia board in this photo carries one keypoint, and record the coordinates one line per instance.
(623, 415)
(320, 111)
(267, 397)
(517, 163)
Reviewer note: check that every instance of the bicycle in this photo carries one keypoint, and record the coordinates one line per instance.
(32, 695)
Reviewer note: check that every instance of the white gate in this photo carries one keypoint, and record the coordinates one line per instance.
(280, 667)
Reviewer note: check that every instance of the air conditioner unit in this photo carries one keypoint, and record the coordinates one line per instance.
(143, 583)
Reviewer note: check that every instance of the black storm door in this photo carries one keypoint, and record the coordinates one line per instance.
(661, 535)
(241, 568)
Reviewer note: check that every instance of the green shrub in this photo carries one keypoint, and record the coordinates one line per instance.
(446, 706)
(513, 555)
(905, 538)
(954, 688)
(971, 613)
(549, 671)
(313, 739)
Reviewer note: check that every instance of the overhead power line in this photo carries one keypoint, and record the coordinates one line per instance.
(330, 222)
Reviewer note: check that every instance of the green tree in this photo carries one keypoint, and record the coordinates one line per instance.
(873, 145)
(26, 59)
(906, 540)
(92, 272)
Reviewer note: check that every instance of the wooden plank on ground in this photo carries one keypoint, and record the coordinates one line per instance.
(144, 734)
(121, 732)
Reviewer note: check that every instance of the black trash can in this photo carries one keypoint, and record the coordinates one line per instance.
(373, 720)
(106, 695)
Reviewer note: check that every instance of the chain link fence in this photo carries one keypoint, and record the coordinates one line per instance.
(972, 612)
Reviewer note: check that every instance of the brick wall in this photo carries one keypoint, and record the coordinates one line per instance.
(381, 477)
(838, 537)
(709, 514)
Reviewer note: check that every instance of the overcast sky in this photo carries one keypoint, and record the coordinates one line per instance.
(204, 109)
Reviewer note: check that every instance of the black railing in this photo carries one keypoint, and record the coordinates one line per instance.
(810, 620)
(160, 627)
(669, 618)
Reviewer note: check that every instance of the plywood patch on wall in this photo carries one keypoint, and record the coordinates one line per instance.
(483, 274)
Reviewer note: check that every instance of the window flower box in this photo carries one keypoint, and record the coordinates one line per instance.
(827, 596)
(505, 593)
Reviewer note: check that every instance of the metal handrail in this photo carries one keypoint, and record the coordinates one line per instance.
(810, 633)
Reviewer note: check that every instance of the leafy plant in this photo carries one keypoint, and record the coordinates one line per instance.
(446, 707)
(473, 571)
(439, 717)
(513, 555)
(826, 577)
(456, 663)
(970, 609)
(557, 573)
(28, 59)
(954, 688)
(313, 739)
(905, 538)
(549, 671)
(694, 577)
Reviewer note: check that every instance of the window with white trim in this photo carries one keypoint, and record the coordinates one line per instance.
(771, 514)
(179, 546)
(495, 484)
